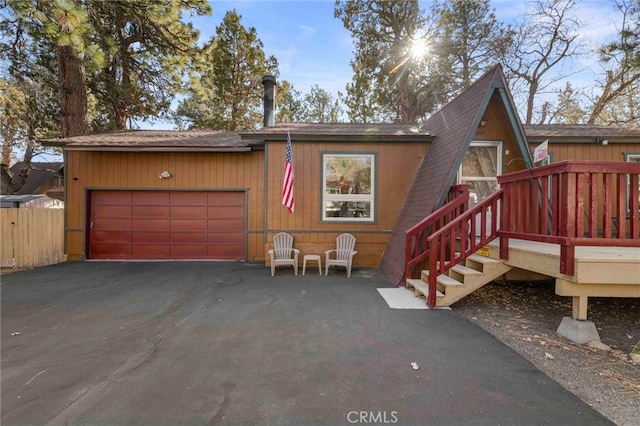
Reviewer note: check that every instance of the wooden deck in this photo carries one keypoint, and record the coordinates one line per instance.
(598, 271)
(559, 220)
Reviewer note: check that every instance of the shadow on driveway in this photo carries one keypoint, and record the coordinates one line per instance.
(168, 343)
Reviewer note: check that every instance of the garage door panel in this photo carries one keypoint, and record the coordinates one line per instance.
(150, 198)
(150, 251)
(225, 212)
(188, 212)
(104, 224)
(150, 224)
(189, 198)
(189, 237)
(226, 199)
(188, 251)
(111, 198)
(113, 212)
(167, 225)
(151, 211)
(111, 251)
(188, 225)
(224, 237)
(226, 224)
(226, 252)
(151, 237)
(112, 236)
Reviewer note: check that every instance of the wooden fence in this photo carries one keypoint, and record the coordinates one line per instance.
(31, 237)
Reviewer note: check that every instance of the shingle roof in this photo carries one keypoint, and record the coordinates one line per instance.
(39, 175)
(377, 131)
(155, 139)
(453, 125)
(579, 132)
(158, 139)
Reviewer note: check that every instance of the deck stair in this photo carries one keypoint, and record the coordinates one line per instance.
(460, 280)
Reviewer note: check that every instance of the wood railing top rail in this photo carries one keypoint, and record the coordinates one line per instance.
(571, 166)
(458, 196)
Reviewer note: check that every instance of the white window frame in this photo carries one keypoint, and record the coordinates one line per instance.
(355, 198)
(499, 165)
(627, 159)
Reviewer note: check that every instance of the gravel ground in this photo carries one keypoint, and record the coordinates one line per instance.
(525, 317)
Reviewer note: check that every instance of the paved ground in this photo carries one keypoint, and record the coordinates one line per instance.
(225, 343)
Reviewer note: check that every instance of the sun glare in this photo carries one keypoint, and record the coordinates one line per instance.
(418, 48)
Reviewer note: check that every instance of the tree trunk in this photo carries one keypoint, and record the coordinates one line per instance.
(533, 89)
(7, 147)
(73, 94)
(6, 179)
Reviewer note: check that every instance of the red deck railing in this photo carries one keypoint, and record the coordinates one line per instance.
(569, 203)
(572, 203)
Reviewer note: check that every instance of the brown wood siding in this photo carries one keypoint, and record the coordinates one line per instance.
(189, 171)
(589, 151)
(499, 128)
(396, 163)
(396, 167)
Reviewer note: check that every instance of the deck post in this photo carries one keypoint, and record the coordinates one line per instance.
(579, 307)
(567, 259)
(504, 248)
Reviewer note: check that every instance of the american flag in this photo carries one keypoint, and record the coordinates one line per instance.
(287, 186)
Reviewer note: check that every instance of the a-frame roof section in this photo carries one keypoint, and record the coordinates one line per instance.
(454, 126)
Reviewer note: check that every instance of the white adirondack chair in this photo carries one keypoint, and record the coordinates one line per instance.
(282, 251)
(344, 253)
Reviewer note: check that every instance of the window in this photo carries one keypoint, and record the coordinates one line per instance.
(632, 158)
(480, 169)
(348, 185)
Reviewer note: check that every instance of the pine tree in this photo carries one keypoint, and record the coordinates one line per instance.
(227, 94)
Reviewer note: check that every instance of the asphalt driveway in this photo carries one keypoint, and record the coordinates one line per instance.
(194, 343)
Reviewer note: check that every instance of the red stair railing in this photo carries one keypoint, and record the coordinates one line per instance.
(416, 237)
(451, 234)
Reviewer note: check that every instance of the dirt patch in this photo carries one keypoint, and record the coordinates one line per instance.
(525, 316)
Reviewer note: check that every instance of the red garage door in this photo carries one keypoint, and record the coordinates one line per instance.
(166, 225)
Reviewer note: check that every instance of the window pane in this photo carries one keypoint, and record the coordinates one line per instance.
(633, 158)
(348, 209)
(479, 190)
(348, 175)
(480, 161)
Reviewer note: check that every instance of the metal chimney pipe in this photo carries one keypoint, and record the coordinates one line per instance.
(269, 83)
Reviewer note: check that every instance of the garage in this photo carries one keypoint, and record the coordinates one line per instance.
(125, 224)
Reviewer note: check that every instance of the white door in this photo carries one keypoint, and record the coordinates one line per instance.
(480, 169)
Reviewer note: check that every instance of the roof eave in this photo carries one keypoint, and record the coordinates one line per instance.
(156, 148)
(308, 137)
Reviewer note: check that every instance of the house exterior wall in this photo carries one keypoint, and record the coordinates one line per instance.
(260, 174)
(589, 151)
(189, 171)
(396, 167)
(499, 128)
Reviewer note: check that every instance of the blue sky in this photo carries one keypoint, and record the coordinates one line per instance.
(313, 47)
